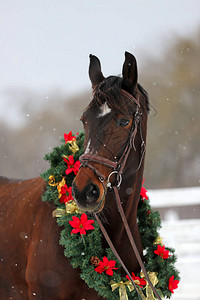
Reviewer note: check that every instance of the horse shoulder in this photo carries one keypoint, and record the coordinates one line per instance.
(32, 261)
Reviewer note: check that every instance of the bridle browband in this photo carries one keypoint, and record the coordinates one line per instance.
(118, 168)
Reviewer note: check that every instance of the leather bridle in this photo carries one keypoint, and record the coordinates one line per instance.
(118, 168)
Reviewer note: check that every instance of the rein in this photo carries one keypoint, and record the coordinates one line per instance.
(118, 168)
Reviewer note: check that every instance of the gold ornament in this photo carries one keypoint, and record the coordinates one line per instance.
(60, 185)
(52, 181)
(154, 281)
(71, 207)
(158, 241)
(58, 213)
(122, 288)
(73, 146)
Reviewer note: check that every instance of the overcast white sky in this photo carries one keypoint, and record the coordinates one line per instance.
(44, 45)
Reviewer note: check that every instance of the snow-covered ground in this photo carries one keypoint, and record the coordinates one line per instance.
(183, 235)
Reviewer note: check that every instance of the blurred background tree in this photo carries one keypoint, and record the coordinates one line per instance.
(173, 157)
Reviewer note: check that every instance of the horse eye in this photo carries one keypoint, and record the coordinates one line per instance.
(123, 122)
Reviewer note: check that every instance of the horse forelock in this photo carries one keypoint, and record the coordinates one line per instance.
(109, 92)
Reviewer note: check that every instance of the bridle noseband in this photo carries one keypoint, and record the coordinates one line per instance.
(118, 168)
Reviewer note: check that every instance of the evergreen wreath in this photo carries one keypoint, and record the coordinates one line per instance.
(82, 238)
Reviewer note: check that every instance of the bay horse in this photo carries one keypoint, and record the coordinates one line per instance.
(32, 263)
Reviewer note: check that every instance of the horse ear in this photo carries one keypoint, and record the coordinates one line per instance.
(129, 72)
(95, 73)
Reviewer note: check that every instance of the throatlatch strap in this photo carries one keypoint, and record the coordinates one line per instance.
(134, 247)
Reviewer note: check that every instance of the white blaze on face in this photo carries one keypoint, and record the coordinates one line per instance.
(87, 150)
(105, 109)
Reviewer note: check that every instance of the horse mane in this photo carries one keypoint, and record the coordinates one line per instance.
(109, 90)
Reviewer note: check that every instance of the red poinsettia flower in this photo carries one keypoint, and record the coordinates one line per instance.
(82, 224)
(137, 280)
(106, 265)
(66, 194)
(143, 192)
(72, 166)
(173, 284)
(69, 137)
(162, 252)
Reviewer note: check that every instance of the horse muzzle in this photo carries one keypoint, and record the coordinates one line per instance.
(90, 197)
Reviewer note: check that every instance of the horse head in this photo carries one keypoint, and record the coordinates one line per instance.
(114, 124)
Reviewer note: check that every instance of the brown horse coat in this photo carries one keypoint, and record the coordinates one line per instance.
(32, 263)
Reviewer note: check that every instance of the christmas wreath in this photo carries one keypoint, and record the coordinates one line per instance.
(82, 238)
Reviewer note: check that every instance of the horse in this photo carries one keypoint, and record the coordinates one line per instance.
(32, 263)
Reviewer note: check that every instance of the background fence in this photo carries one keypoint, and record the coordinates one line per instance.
(180, 211)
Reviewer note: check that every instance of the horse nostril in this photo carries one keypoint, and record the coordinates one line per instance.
(87, 197)
(92, 193)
